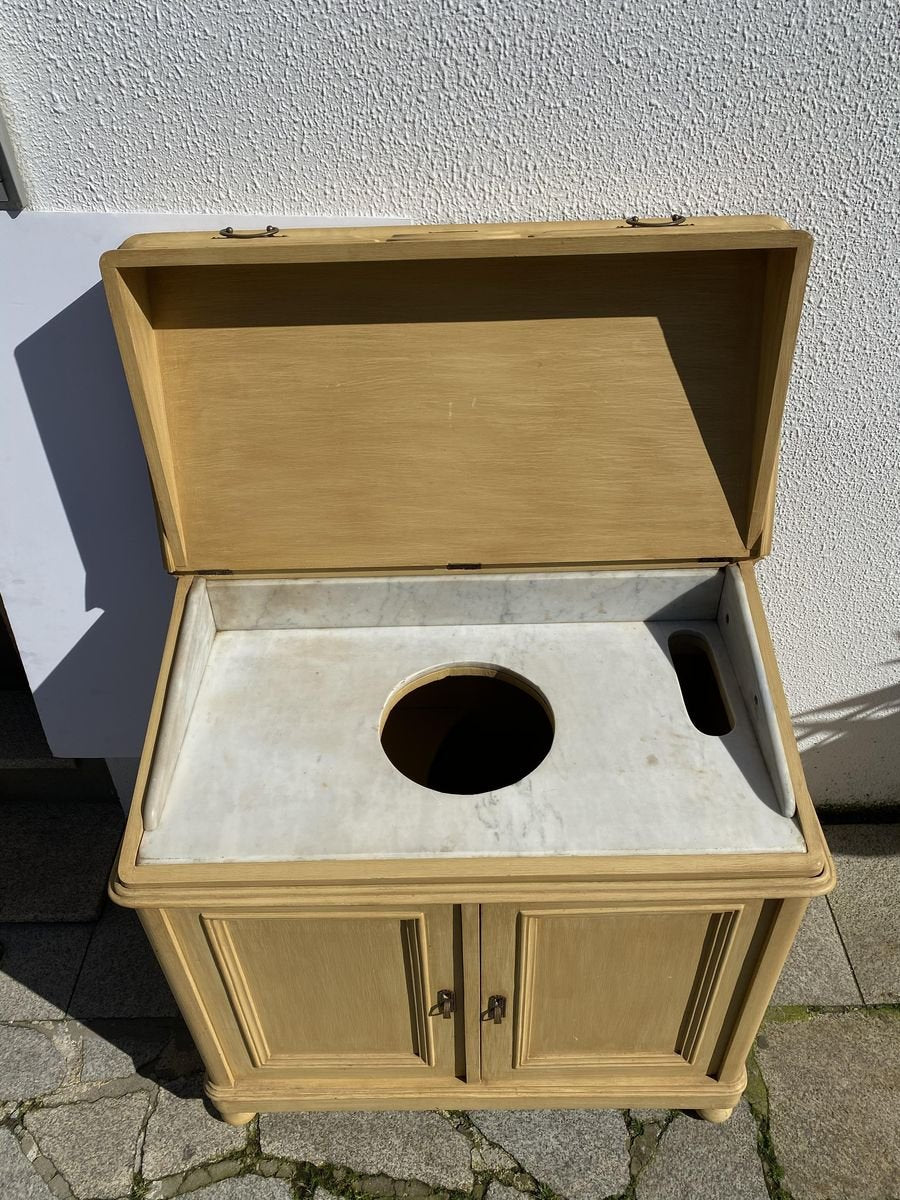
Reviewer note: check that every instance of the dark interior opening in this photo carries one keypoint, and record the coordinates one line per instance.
(468, 730)
(699, 682)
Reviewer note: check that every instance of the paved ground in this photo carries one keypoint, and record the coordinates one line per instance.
(100, 1086)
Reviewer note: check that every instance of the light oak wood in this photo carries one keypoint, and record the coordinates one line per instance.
(384, 400)
(129, 306)
(373, 234)
(599, 990)
(649, 1093)
(470, 916)
(716, 1115)
(582, 400)
(197, 988)
(565, 1040)
(785, 283)
(208, 248)
(240, 890)
(753, 990)
(335, 991)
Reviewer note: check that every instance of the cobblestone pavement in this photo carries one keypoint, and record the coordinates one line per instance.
(101, 1088)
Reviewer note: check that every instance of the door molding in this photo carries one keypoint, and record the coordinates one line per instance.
(219, 931)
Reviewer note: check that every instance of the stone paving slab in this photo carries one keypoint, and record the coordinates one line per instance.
(39, 965)
(121, 977)
(182, 1134)
(498, 1191)
(817, 970)
(18, 1178)
(402, 1145)
(834, 1103)
(55, 857)
(30, 1065)
(866, 905)
(92, 1144)
(116, 1049)
(248, 1187)
(197, 1178)
(486, 1157)
(580, 1154)
(180, 1057)
(834, 1110)
(697, 1160)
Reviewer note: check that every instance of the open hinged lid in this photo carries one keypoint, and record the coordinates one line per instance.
(503, 395)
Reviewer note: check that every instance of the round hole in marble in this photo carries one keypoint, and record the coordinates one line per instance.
(466, 728)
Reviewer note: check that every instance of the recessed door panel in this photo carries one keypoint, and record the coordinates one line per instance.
(598, 989)
(349, 991)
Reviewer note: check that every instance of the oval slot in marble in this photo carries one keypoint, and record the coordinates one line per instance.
(701, 687)
(467, 728)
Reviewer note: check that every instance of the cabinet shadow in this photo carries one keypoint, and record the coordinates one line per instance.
(96, 701)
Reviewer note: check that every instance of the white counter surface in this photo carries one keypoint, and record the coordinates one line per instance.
(281, 758)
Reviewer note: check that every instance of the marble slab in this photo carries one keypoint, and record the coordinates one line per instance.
(195, 642)
(470, 599)
(281, 759)
(736, 626)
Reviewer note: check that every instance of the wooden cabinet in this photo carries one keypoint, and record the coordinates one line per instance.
(469, 779)
(314, 994)
(490, 1005)
(596, 991)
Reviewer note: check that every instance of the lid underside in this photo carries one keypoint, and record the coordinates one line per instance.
(485, 408)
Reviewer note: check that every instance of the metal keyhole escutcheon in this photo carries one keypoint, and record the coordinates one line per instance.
(496, 1009)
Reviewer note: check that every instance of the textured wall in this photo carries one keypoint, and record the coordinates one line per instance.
(476, 111)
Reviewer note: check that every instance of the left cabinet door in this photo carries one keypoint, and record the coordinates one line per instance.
(347, 991)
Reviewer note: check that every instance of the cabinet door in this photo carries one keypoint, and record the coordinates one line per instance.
(602, 990)
(346, 991)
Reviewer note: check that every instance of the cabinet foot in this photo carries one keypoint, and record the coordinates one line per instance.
(717, 1115)
(237, 1118)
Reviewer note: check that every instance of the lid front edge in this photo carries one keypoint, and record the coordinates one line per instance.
(784, 291)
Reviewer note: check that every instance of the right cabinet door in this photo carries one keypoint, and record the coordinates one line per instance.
(603, 991)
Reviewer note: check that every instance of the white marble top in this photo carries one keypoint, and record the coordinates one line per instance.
(473, 598)
(281, 759)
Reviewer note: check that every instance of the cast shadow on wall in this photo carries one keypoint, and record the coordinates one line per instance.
(97, 700)
(849, 741)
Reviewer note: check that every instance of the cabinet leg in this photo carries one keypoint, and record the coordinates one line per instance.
(237, 1118)
(717, 1115)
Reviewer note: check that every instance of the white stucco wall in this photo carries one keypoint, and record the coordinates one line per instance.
(468, 110)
